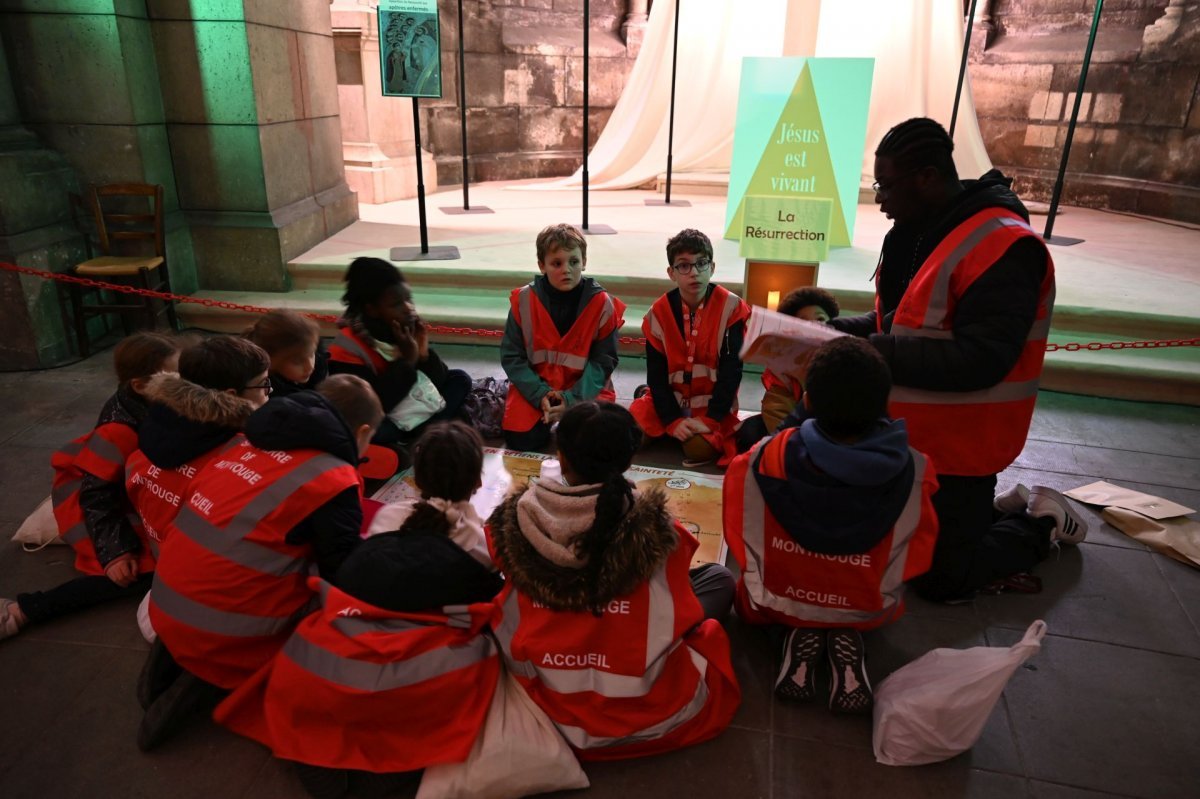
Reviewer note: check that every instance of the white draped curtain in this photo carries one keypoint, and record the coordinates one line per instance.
(916, 44)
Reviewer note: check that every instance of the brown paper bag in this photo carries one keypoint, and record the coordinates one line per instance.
(1107, 494)
(1178, 537)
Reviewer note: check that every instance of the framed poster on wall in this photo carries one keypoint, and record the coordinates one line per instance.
(410, 48)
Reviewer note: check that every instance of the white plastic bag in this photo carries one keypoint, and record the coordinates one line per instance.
(935, 707)
(40, 529)
(518, 752)
(423, 400)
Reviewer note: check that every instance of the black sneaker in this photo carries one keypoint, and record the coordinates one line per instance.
(158, 672)
(185, 698)
(797, 672)
(850, 689)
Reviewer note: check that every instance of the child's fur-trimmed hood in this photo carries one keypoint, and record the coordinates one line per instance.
(642, 541)
(197, 403)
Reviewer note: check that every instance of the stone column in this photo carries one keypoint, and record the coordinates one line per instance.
(1175, 35)
(251, 106)
(633, 27)
(378, 145)
(82, 85)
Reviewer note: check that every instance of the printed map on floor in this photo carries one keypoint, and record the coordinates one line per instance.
(694, 499)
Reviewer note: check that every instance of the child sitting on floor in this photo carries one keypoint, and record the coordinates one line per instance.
(827, 521)
(407, 691)
(432, 551)
(781, 393)
(231, 579)
(382, 340)
(602, 619)
(560, 340)
(92, 510)
(693, 367)
(293, 342)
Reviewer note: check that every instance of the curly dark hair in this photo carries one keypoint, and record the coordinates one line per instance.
(688, 240)
(806, 296)
(847, 386)
(367, 279)
(917, 143)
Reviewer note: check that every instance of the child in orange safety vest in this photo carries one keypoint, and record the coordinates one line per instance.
(93, 512)
(231, 581)
(560, 341)
(397, 654)
(693, 364)
(601, 619)
(827, 521)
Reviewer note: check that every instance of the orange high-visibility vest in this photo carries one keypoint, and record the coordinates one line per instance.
(970, 433)
(557, 359)
(789, 384)
(156, 493)
(349, 348)
(359, 687)
(691, 360)
(229, 589)
(101, 453)
(648, 675)
(784, 583)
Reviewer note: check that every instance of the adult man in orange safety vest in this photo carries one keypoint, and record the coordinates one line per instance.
(964, 293)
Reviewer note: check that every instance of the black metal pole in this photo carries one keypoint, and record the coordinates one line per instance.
(1062, 166)
(462, 106)
(962, 68)
(420, 181)
(587, 15)
(671, 115)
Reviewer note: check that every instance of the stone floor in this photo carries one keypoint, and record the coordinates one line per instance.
(1109, 707)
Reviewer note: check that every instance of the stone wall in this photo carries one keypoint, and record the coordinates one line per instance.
(524, 79)
(1137, 141)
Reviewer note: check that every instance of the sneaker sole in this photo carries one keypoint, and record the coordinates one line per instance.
(861, 698)
(786, 687)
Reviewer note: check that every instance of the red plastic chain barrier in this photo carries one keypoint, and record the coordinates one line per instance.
(485, 333)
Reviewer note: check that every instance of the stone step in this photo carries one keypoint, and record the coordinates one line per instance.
(1167, 374)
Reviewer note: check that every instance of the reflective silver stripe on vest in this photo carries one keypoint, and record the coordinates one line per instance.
(525, 308)
(606, 314)
(580, 739)
(229, 542)
(105, 449)
(61, 493)
(352, 626)
(656, 331)
(76, 534)
(458, 616)
(364, 675)
(905, 330)
(754, 516)
(731, 304)
(660, 644)
(939, 299)
(1001, 392)
(343, 340)
(220, 622)
(558, 358)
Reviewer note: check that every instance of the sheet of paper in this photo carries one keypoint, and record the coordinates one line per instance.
(1109, 495)
(692, 498)
(782, 343)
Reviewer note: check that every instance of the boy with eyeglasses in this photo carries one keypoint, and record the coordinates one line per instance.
(693, 336)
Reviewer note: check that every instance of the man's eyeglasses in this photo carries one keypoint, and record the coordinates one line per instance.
(264, 385)
(884, 189)
(700, 267)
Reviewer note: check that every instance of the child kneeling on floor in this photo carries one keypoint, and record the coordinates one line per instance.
(827, 521)
(397, 655)
(602, 620)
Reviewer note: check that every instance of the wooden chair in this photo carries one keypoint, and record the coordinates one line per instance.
(121, 224)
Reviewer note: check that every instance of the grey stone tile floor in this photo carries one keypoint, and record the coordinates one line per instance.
(1109, 707)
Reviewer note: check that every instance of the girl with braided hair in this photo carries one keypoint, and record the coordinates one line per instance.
(600, 619)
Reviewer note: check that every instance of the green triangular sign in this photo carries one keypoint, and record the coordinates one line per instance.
(792, 158)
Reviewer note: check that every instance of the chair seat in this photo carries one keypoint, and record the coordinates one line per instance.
(118, 264)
